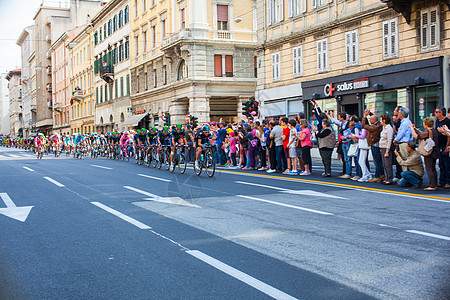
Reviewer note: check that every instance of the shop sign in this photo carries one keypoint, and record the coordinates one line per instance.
(138, 112)
(356, 84)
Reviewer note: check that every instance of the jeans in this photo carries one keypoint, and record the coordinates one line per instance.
(358, 170)
(220, 153)
(376, 153)
(444, 168)
(409, 178)
(263, 158)
(279, 152)
(251, 157)
(273, 158)
(347, 159)
(215, 154)
(233, 158)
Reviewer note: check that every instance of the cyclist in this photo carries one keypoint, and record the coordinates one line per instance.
(177, 137)
(163, 139)
(78, 141)
(201, 139)
(141, 141)
(54, 139)
(124, 142)
(39, 143)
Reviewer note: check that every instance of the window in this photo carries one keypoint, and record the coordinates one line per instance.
(144, 6)
(164, 70)
(152, 3)
(120, 19)
(126, 14)
(109, 27)
(182, 18)
(276, 66)
(229, 65)
(351, 48)
(145, 81)
(137, 84)
(429, 29)
(135, 8)
(126, 49)
(106, 93)
(121, 87)
(154, 78)
(274, 11)
(322, 55)
(100, 34)
(121, 52)
(218, 65)
(163, 29)
(115, 23)
(390, 39)
(297, 61)
(101, 94)
(116, 89)
(128, 85)
(153, 36)
(319, 3)
(182, 70)
(95, 38)
(104, 31)
(144, 41)
(293, 8)
(222, 17)
(136, 45)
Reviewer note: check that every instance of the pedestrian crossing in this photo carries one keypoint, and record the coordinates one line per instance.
(9, 155)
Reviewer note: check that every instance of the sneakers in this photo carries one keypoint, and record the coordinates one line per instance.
(375, 180)
(245, 168)
(293, 172)
(271, 171)
(286, 171)
(262, 169)
(383, 177)
(197, 165)
(355, 178)
(345, 176)
(305, 173)
(395, 180)
(363, 180)
(171, 167)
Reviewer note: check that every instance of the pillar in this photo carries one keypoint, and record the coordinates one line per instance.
(199, 107)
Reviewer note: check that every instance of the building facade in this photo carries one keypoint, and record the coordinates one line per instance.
(112, 66)
(81, 86)
(15, 102)
(191, 58)
(352, 55)
(4, 105)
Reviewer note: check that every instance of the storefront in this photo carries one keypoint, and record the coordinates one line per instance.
(280, 101)
(417, 85)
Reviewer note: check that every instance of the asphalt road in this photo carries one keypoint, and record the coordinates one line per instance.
(113, 230)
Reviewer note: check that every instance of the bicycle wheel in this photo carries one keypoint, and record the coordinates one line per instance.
(210, 164)
(182, 164)
(198, 170)
(167, 160)
(152, 156)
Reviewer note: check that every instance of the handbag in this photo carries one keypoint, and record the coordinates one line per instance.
(426, 145)
(353, 150)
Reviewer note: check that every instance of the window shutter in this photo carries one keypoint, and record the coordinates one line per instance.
(314, 3)
(348, 45)
(280, 10)
(300, 60)
(294, 60)
(325, 54)
(319, 56)
(229, 65)
(218, 65)
(355, 47)
(269, 12)
(424, 29)
(394, 40)
(222, 13)
(386, 39)
(290, 12)
(433, 28)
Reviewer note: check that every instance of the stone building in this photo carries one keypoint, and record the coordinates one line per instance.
(352, 55)
(192, 58)
(15, 102)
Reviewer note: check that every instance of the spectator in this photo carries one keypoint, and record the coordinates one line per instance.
(326, 140)
(444, 159)
(252, 143)
(364, 151)
(386, 138)
(271, 146)
(305, 141)
(430, 160)
(396, 125)
(373, 139)
(233, 142)
(412, 166)
(404, 134)
(291, 147)
(276, 134)
(346, 142)
(221, 135)
(285, 137)
(355, 126)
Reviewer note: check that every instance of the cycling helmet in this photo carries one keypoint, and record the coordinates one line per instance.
(154, 128)
(126, 132)
(41, 134)
(179, 126)
(206, 128)
(165, 128)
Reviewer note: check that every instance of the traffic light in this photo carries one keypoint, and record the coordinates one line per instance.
(193, 121)
(255, 106)
(246, 107)
(166, 119)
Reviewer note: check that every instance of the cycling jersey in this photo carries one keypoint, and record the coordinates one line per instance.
(141, 137)
(152, 137)
(203, 136)
(177, 135)
(164, 137)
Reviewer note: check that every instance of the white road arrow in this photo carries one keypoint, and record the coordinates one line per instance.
(12, 211)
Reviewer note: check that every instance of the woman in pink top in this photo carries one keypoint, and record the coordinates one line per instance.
(363, 152)
(305, 140)
(233, 148)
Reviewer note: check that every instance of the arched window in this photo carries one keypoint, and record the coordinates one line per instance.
(122, 118)
(182, 70)
(111, 119)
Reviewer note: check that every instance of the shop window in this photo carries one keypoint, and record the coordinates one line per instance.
(276, 66)
(426, 99)
(429, 29)
(385, 102)
(390, 38)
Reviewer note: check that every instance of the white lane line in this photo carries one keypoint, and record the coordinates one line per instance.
(287, 205)
(442, 237)
(29, 169)
(13, 155)
(101, 167)
(156, 178)
(122, 216)
(245, 278)
(54, 182)
(294, 192)
(141, 191)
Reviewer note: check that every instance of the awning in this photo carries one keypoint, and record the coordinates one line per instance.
(134, 120)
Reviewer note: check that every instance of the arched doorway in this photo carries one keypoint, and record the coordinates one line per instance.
(182, 71)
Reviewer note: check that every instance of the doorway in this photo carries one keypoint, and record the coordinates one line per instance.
(351, 109)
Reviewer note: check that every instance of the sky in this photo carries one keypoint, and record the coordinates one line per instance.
(15, 15)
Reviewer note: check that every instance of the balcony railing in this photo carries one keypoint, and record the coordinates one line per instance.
(107, 73)
(223, 34)
(174, 38)
(57, 106)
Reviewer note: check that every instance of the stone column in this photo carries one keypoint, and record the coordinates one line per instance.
(178, 112)
(199, 107)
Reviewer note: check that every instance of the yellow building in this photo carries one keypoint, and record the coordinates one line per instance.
(192, 57)
(352, 55)
(81, 81)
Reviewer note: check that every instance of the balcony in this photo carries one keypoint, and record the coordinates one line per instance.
(175, 38)
(107, 73)
(223, 34)
(49, 70)
(57, 106)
